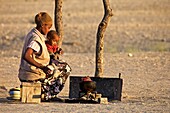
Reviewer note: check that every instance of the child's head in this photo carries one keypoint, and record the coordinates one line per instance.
(53, 37)
(43, 22)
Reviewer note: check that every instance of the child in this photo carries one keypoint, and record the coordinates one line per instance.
(61, 70)
(52, 44)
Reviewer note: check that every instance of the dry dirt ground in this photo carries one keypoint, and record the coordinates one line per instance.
(138, 27)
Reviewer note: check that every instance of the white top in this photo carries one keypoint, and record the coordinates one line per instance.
(35, 46)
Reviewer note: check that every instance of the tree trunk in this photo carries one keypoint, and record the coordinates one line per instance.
(100, 38)
(58, 20)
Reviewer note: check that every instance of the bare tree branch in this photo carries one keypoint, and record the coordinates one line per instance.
(100, 38)
(58, 19)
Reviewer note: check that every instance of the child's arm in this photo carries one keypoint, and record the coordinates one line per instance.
(58, 53)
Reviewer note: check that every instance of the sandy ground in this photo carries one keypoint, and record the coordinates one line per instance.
(137, 27)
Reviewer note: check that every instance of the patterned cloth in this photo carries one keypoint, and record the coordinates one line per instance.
(53, 85)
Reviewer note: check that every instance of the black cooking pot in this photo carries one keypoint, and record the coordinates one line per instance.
(87, 86)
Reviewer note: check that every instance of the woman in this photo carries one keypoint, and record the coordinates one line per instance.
(35, 56)
(35, 60)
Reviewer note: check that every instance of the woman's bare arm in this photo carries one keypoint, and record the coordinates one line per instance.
(28, 57)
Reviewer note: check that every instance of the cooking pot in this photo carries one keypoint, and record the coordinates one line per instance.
(87, 86)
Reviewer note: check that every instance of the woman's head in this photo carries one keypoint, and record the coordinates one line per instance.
(43, 22)
(53, 37)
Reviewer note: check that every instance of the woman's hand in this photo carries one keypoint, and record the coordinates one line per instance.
(46, 70)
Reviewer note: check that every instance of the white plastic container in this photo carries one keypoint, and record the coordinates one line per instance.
(15, 93)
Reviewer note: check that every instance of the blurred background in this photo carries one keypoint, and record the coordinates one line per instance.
(137, 26)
